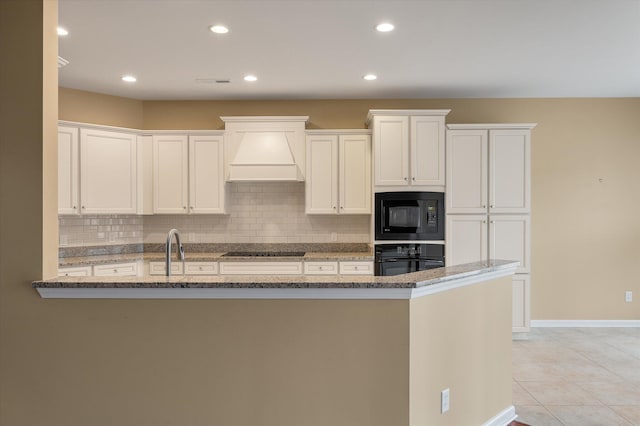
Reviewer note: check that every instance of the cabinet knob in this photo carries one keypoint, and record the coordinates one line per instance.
(413, 178)
(83, 207)
(405, 178)
(320, 268)
(491, 206)
(484, 221)
(334, 207)
(484, 206)
(342, 207)
(115, 270)
(184, 207)
(200, 268)
(74, 207)
(493, 221)
(191, 207)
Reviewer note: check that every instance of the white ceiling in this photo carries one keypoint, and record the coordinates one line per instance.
(320, 49)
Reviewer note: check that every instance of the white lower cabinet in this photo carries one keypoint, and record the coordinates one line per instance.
(521, 303)
(321, 268)
(76, 271)
(116, 270)
(356, 268)
(159, 268)
(261, 268)
(201, 268)
(474, 238)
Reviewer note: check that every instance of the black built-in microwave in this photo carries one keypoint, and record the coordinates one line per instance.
(409, 216)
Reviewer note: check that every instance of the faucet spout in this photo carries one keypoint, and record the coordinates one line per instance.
(168, 250)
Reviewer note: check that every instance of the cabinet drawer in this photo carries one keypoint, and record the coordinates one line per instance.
(356, 268)
(263, 268)
(158, 268)
(321, 268)
(79, 271)
(201, 268)
(116, 270)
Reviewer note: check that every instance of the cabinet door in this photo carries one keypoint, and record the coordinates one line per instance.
(466, 239)
(170, 174)
(355, 174)
(510, 171)
(108, 166)
(206, 182)
(509, 237)
(321, 183)
(68, 170)
(391, 140)
(467, 173)
(521, 295)
(427, 150)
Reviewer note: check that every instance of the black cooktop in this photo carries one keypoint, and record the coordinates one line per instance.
(264, 254)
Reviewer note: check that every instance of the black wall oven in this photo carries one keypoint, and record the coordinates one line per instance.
(409, 216)
(396, 259)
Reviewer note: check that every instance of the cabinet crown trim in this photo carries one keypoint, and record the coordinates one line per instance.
(485, 126)
(429, 112)
(338, 132)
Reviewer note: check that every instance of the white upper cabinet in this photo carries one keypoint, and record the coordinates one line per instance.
(170, 174)
(510, 171)
(355, 174)
(409, 148)
(467, 171)
(206, 180)
(427, 150)
(108, 166)
(391, 140)
(68, 170)
(188, 174)
(488, 169)
(321, 184)
(338, 173)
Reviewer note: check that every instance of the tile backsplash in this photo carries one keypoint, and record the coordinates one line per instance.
(270, 212)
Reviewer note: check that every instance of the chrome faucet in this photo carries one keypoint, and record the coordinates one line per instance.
(168, 250)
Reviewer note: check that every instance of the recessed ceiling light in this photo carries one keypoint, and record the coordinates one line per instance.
(370, 77)
(62, 31)
(250, 78)
(219, 29)
(129, 79)
(385, 27)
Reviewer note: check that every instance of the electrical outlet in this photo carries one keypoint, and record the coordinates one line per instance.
(334, 236)
(192, 237)
(444, 401)
(628, 296)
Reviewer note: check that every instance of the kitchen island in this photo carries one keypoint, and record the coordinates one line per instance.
(325, 350)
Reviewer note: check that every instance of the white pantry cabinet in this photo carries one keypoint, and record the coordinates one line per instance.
(409, 148)
(188, 174)
(108, 172)
(488, 169)
(68, 170)
(338, 173)
(488, 196)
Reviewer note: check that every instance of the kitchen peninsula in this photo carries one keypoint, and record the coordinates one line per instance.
(340, 350)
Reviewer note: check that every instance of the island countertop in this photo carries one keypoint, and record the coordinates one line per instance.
(403, 286)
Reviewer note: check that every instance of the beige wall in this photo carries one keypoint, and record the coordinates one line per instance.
(461, 341)
(88, 107)
(585, 232)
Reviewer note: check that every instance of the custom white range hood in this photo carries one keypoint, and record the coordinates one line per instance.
(265, 148)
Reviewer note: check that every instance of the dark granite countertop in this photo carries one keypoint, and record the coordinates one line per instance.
(413, 280)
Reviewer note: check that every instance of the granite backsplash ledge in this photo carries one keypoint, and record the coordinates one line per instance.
(64, 252)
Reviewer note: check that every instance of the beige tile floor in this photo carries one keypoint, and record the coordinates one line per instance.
(578, 377)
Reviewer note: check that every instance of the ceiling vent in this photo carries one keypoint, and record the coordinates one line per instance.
(62, 62)
(212, 80)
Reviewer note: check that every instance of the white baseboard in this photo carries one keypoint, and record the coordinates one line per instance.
(585, 323)
(503, 418)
